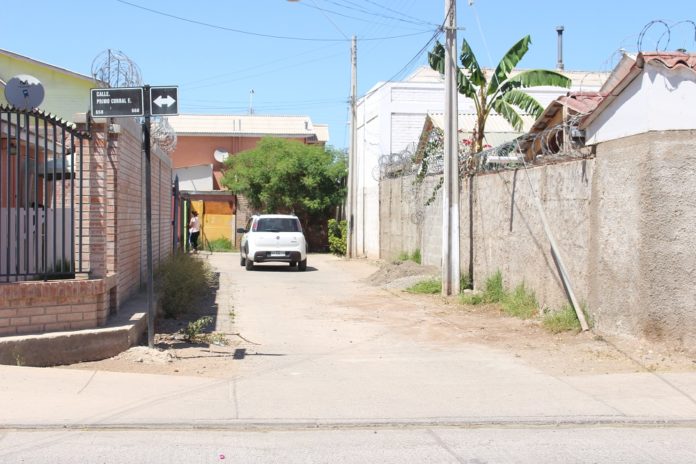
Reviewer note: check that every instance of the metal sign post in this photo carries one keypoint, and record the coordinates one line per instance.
(148, 228)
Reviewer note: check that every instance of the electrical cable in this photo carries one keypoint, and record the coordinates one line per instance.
(410, 62)
(415, 21)
(258, 34)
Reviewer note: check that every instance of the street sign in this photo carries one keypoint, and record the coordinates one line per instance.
(164, 101)
(121, 101)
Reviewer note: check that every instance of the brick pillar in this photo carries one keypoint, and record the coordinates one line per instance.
(95, 191)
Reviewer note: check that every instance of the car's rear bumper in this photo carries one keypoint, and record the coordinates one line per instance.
(274, 256)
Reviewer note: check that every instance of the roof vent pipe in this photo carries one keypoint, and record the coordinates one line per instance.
(559, 63)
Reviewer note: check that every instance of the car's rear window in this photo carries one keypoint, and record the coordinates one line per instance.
(278, 225)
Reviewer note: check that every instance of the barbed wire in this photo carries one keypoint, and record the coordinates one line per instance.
(113, 68)
(557, 143)
(665, 39)
(163, 134)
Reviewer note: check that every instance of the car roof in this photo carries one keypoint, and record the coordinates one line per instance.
(284, 216)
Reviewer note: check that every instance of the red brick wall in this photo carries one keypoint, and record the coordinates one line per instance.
(36, 307)
(129, 214)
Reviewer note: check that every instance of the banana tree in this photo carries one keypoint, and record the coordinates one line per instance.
(499, 92)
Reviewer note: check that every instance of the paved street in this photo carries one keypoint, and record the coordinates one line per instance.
(336, 370)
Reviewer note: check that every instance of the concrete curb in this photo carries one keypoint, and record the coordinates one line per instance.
(56, 348)
(347, 424)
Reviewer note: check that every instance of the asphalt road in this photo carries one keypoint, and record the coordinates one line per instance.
(333, 369)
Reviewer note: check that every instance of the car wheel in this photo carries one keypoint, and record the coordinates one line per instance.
(242, 261)
(249, 264)
(293, 263)
(302, 265)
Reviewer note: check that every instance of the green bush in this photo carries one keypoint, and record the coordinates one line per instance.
(220, 244)
(520, 303)
(337, 237)
(430, 286)
(180, 280)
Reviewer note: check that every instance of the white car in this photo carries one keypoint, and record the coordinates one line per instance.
(273, 238)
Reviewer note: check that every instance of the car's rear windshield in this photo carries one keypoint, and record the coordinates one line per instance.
(278, 225)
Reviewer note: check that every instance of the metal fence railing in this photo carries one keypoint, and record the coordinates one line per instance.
(42, 201)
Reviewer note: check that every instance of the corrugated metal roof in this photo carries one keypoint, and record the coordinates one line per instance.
(246, 125)
(494, 124)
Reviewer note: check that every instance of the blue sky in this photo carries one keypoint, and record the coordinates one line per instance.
(296, 55)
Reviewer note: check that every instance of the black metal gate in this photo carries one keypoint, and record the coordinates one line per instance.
(42, 205)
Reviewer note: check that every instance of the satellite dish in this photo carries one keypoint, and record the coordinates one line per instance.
(221, 155)
(24, 92)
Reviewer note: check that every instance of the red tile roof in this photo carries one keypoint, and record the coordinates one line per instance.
(624, 74)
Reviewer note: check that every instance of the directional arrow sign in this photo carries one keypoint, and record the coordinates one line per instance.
(164, 101)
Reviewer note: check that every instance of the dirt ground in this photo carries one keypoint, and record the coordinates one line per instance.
(441, 320)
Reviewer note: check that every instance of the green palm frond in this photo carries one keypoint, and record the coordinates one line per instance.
(509, 114)
(436, 58)
(470, 63)
(508, 63)
(524, 102)
(465, 87)
(540, 77)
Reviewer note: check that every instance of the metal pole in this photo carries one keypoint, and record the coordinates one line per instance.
(148, 224)
(450, 192)
(351, 203)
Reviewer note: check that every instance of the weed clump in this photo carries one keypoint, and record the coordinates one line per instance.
(180, 281)
(494, 292)
(520, 303)
(414, 256)
(564, 320)
(221, 244)
(430, 286)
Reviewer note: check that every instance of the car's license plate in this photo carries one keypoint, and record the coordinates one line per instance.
(277, 253)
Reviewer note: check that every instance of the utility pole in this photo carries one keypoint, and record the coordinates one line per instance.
(450, 191)
(351, 202)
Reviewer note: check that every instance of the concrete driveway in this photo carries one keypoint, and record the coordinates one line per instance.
(323, 349)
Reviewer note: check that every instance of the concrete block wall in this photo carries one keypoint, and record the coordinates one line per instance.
(642, 251)
(623, 222)
(508, 231)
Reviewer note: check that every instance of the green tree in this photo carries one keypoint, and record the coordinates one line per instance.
(287, 176)
(500, 91)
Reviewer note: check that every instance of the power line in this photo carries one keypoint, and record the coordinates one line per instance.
(417, 21)
(407, 65)
(258, 34)
(420, 21)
